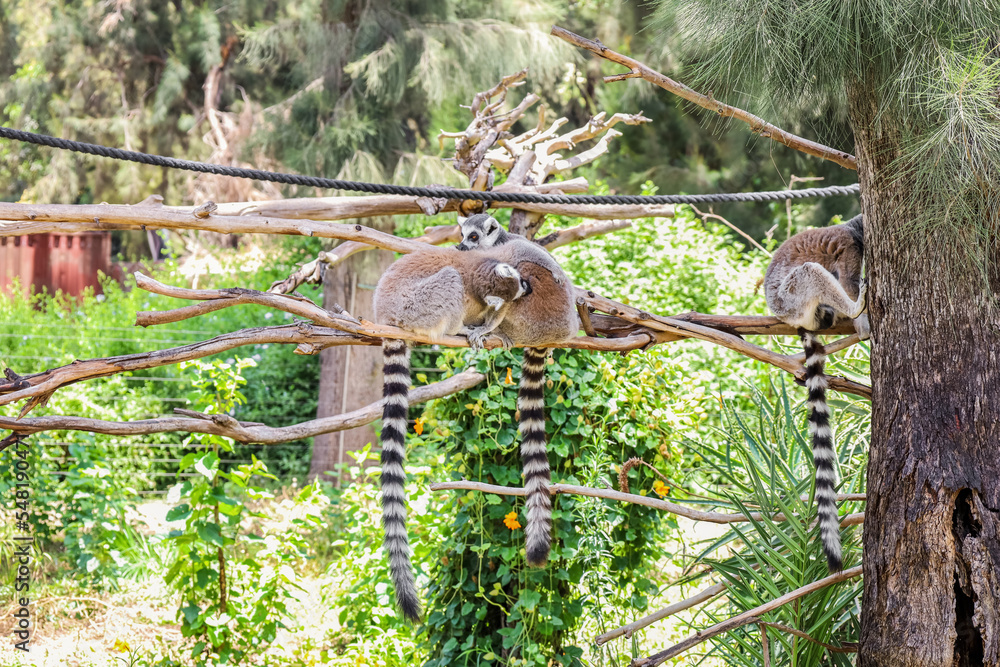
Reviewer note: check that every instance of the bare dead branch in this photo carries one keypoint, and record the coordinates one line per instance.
(311, 272)
(627, 631)
(678, 327)
(610, 494)
(751, 616)
(309, 339)
(848, 647)
(224, 425)
(757, 125)
(584, 313)
(713, 216)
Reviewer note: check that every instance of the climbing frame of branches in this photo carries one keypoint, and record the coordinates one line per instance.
(486, 147)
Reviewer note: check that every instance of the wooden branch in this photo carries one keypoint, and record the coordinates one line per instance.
(587, 230)
(310, 339)
(757, 125)
(714, 216)
(20, 219)
(627, 631)
(224, 425)
(372, 206)
(610, 494)
(678, 327)
(848, 647)
(312, 272)
(751, 616)
(298, 305)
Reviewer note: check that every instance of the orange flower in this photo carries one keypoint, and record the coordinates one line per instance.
(660, 488)
(511, 521)
(510, 379)
(418, 425)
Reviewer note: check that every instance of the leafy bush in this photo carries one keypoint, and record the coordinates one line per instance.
(767, 467)
(235, 584)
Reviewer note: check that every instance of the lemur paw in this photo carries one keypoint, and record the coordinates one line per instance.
(504, 340)
(862, 327)
(475, 336)
(862, 302)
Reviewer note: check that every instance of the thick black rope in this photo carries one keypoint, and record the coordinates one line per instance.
(438, 193)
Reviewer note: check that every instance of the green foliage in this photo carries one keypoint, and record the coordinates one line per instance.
(926, 72)
(370, 629)
(766, 467)
(235, 584)
(483, 600)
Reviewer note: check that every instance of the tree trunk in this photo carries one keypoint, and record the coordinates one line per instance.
(350, 375)
(932, 519)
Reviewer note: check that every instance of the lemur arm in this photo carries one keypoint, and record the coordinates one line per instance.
(493, 316)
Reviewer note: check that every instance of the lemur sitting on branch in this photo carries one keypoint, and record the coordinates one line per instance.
(814, 279)
(432, 293)
(544, 317)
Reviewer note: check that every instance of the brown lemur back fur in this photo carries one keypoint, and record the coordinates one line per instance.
(431, 293)
(813, 281)
(546, 316)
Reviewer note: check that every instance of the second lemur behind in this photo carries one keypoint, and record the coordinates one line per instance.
(545, 317)
(814, 280)
(431, 293)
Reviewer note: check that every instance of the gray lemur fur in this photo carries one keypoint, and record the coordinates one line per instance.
(814, 279)
(432, 293)
(546, 316)
(441, 291)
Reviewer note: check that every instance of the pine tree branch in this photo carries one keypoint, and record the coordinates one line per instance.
(757, 125)
(747, 617)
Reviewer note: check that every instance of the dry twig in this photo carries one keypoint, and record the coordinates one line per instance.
(751, 616)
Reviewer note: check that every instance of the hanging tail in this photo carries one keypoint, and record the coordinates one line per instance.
(823, 451)
(534, 457)
(396, 386)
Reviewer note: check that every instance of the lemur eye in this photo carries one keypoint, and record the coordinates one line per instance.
(473, 237)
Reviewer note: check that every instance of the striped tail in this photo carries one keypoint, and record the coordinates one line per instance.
(396, 379)
(534, 457)
(823, 451)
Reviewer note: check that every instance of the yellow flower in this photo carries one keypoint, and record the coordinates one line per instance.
(509, 379)
(511, 521)
(660, 488)
(418, 426)
(121, 646)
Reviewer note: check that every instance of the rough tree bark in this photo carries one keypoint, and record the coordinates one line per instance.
(354, 369)
(932, 522)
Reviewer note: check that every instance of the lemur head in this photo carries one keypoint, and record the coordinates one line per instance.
(510, 275)
(480, 231)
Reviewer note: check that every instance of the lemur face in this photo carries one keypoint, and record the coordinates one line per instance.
(478, 231)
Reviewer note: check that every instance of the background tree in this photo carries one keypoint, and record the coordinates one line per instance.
(918, 84)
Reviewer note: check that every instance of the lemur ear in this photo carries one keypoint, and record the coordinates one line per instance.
(507, 271)
(491, 226)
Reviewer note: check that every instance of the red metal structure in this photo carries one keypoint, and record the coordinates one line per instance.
(67, 262)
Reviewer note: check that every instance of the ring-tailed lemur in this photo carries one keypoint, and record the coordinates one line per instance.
(814, 279)
(545, 317)
(432, 293)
